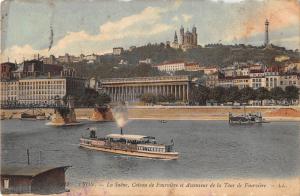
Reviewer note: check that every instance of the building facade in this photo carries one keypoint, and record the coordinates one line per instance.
(241, 81)
(118, 51)
(6, 70)
(289, 79)
(9, 91)
(257, 79)
(131, 89)
(187, 40)
(41, 89)
(171, 66)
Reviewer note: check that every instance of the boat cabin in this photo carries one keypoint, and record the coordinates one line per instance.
(132, 139)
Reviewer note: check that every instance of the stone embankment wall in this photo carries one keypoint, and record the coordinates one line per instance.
(186, 112)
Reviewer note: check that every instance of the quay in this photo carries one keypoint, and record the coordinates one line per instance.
(270, 113)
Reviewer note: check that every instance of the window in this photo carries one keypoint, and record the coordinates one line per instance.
(6, 183)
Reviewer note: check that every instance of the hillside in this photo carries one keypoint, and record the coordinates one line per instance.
(213, 54)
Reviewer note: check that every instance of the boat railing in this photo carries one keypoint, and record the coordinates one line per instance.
(120, 146)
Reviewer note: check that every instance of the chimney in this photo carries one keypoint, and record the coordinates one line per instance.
(49, 75)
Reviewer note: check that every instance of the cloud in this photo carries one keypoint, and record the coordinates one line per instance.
(280, 14)
(175, 19)
(147, 23)
(186, 17)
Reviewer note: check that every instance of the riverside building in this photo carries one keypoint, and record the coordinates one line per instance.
(41, 89)
(131, 89)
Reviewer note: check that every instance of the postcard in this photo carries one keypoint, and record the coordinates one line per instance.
(136, 97)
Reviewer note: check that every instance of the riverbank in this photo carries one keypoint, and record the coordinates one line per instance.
(270, 113)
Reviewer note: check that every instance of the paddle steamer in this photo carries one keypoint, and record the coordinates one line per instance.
(132, 145)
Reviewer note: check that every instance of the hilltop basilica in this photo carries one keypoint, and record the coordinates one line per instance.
(187, 40)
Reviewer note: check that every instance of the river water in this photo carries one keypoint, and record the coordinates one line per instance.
(208, 149)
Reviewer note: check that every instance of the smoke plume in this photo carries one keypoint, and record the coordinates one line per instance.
(120, 114)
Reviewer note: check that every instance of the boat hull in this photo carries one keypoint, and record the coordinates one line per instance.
(154, 155)
(63, 124)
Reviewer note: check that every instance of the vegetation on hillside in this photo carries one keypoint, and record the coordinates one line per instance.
(212, 54)
(201, 95)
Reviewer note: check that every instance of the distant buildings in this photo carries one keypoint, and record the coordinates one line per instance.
(118, 51)
(91, 58)
(6, 70)
(41, 89)
(36, 82)
(209, 70)
(131, 48)
(187, 40)
(146, 61)
(254, 76)
(192, 67)
(173, 66)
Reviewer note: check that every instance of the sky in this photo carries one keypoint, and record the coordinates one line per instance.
(57, 27)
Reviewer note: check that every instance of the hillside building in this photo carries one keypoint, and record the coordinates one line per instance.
(187, 40)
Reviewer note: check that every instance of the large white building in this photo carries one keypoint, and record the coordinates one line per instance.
(257, 79)
(174, 66)
(40, 89)
(171, 66)
(9, 91)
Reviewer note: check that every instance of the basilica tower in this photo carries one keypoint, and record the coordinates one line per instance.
(181, 35)
(195, 38)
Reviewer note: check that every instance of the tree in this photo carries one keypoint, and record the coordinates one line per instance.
(232, 94)
(103, 99)
(170, 98)
(199, 94)
(148, 98)
(277, 94)
(246, 94)
(217, 94)
(261, 94)
(291, 93)
(161, 98)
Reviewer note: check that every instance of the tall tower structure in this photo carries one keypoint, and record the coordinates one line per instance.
(194, 32)
(175, 38)
(266, 32)
(181, 35)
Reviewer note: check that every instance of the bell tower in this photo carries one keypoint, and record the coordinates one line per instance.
(195, 39)
(181, 35)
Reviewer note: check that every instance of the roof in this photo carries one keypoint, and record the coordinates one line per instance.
(256, 71)
(29, 171)
(170, 62)
(126, 136)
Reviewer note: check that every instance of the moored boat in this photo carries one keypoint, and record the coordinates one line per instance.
(246, 119)
(132, 145)
(27, 116)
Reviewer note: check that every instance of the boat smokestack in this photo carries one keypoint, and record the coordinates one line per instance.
(121, 131)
